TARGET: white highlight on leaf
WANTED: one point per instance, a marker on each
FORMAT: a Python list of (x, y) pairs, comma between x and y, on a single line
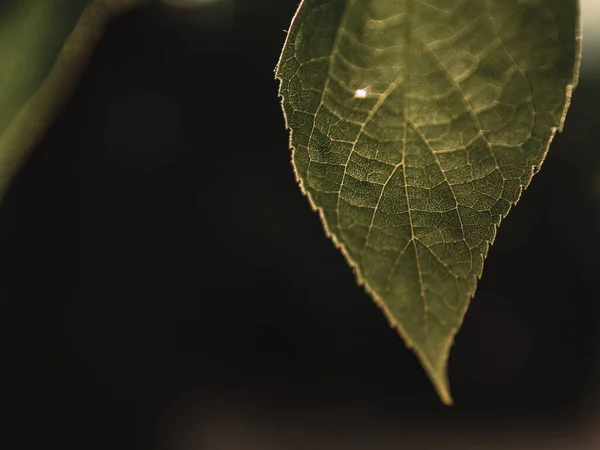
[(360, 93)]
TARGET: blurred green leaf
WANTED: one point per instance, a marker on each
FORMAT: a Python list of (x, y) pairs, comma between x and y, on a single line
[(44, 44), (415, 126)]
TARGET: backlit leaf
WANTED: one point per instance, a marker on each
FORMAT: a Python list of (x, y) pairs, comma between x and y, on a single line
[(415, 126)]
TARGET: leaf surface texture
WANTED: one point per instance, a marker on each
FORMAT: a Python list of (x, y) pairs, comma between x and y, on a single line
[(415, 126)]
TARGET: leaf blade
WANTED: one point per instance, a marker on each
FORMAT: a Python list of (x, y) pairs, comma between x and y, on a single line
[(414, 128)]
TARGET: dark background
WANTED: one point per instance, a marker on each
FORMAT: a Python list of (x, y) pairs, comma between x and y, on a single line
[(164, 284)]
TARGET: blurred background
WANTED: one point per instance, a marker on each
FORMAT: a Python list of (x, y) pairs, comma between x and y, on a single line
[(164, 285)]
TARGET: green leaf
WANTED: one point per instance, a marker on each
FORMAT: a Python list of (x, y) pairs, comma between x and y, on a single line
[(415, 125), (44, 45)]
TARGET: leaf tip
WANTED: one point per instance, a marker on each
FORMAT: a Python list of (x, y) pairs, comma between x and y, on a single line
[(439, 379), (442, 387), (436, 367)]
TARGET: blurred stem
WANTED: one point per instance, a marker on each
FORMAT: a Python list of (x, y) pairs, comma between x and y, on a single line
[(33, 119)]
